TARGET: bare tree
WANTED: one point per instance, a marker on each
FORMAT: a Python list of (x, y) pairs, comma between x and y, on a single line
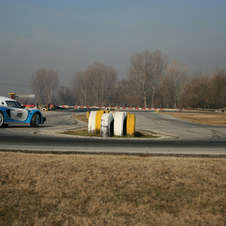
[(64, 95), (37, 85), (51, 84), (140, 73), (44, 83), (159, 66), (198, 91), (125, 95), (95, 85), (146, 71), (102, 81), (81, 84), (176, 75), (218, 87)]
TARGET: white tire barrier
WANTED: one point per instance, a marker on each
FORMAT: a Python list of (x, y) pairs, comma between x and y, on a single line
[(92, 122), (98, 120), (120, 123), (107, 125)]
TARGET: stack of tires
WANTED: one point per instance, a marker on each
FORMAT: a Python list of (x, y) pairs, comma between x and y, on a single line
[(108, 125)]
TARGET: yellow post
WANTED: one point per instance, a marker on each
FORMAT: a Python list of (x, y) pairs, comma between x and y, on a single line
[(98, 120), (130, 124)]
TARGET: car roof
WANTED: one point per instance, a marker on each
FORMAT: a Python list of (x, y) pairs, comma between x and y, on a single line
[(4, 99)]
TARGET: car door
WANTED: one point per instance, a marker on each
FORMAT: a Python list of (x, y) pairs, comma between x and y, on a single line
[(18, 114), (15, 111)]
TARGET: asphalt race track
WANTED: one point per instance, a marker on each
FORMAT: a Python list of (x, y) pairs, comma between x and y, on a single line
[(177, 137)]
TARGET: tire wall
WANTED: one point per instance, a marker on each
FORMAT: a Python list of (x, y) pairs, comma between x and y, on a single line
[(107, 125), (130, 124), (98, 120), (120, 123), (87, 114), (92, 122)]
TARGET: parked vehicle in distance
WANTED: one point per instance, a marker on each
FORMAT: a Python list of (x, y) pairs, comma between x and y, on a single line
[(13, 112)]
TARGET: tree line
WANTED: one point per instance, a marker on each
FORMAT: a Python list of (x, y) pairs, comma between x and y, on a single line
[(152, 81)]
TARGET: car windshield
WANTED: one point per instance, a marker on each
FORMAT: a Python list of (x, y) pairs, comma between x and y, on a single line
[(13, 104)]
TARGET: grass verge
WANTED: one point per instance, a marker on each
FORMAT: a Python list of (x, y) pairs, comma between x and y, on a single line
[(111, 190), (216, 119), (84, 132)]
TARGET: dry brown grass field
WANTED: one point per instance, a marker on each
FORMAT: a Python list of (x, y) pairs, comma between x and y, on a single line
[(216, 119), (111, 190)]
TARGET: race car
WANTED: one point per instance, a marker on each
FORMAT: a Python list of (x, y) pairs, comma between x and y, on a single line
[(12, 112)]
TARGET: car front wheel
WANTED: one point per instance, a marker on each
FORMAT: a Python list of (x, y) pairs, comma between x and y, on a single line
[(1, 119), (35, 121)]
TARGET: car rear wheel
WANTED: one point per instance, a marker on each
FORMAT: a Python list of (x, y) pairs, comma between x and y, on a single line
[(35, 121), (1, 119)]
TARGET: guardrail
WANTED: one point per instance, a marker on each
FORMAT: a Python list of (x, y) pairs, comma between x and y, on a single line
[(98, 107), (115, 108)]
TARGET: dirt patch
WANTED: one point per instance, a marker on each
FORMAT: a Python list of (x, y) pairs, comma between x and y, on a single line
[(111, 190), (81, 117), (216, 119)]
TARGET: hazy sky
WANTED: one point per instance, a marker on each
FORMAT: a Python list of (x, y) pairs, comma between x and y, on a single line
[(68, 36)]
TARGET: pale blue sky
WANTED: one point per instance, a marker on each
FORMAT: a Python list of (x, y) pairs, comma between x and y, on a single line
[(68, 36)]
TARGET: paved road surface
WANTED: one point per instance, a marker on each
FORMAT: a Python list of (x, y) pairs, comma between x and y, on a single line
[(178, 137), (162, 123)]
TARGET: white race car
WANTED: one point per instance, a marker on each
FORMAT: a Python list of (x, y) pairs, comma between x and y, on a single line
[(12, 112)]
